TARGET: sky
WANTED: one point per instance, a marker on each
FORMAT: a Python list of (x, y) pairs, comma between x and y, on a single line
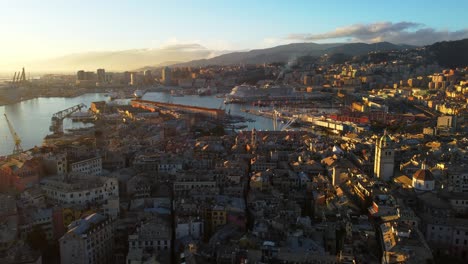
[(33, 30)]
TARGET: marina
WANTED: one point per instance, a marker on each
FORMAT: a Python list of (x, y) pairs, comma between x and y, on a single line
[(32, 118)]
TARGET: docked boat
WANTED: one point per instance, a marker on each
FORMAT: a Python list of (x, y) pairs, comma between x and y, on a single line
[(247, 93)]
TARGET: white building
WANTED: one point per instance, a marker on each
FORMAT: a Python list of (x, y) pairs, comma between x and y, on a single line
[(189, 226), (384, 162), (80, 190), (88, 240), (423, 180), (92, 166)]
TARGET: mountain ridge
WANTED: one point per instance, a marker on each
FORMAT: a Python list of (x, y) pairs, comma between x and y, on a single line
[(284, 53), (448, 53)]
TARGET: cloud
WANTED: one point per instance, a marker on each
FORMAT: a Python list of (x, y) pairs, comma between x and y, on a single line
[(401, 32), (272, 42), (184, 47)]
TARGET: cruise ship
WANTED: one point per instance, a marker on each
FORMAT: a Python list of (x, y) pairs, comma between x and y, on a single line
[(244, 93)]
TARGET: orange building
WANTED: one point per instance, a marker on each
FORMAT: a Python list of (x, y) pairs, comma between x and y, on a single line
[(19, 174)]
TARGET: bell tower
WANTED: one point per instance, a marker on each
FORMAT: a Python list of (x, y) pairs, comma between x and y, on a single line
[(384, 161)]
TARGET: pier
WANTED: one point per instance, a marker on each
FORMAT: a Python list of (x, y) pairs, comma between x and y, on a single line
[(153, 106)]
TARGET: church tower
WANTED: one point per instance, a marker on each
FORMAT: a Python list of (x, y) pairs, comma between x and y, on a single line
[(384, 161), (253, 139)]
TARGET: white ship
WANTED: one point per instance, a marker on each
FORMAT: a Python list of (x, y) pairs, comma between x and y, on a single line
[(245, 92)]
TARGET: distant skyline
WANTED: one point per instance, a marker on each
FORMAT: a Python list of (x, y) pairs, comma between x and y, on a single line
[(34, 30)]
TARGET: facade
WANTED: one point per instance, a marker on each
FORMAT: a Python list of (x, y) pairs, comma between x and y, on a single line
[(134, 78), (185, 186), (55, 164), (447, 122), (80, 75), (215, 217), (157, 163), (188, 226), (101, 75), (153, 235), (80, 190), (166, 75), (88, 240), (447, 235), (384, 162), (42, 218), (458, 178), (92, 166)]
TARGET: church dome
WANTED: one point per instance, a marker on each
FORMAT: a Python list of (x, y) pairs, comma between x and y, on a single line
[(423, 175)]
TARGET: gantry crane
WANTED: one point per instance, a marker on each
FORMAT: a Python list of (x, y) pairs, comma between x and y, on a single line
[(18, 148), (277, 114), (57, 118)]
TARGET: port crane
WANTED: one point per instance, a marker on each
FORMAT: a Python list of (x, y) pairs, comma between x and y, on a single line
[(57, 118), (284, 127), (18, 148)]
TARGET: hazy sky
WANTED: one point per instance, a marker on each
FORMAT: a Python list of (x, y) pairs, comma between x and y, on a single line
[(33, 30)]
